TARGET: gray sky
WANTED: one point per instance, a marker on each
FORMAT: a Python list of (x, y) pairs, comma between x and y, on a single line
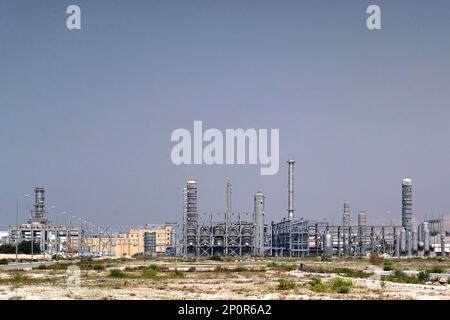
[(88, 114)]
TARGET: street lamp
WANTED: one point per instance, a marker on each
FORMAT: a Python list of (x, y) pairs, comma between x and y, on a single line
[(18, 227)]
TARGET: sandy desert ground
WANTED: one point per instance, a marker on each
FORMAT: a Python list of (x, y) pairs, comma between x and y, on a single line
[(226, 278)]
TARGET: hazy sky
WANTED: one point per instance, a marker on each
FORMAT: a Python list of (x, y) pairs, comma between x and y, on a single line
[(88, 114)]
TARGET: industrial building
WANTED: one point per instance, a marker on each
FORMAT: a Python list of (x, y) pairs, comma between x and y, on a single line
[(236, 235), (39, 229), (72, 239), (149, 240)]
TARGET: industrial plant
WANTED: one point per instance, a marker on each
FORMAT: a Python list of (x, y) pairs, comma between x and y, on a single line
[(232, 233), (236, 234)]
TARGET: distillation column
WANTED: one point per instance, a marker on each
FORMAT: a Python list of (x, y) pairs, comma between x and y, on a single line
[(191, 218), (362, 223), (259, 224), (291, 188)]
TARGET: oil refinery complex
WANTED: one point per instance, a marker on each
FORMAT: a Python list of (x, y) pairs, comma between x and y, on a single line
[(238, 234)]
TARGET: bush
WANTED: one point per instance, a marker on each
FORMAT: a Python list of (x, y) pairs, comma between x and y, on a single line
[(352, 273), (317, 285), (343, 289), (116, 273), (341, 285), (387, 265), (99, 267), (42, 267), (423, 276), (3, 261), (436, 269), (191, 269), (178, 273), (289, 267), (401, 277), (272, 265), (149, 273), (286, 284), (154, 267)]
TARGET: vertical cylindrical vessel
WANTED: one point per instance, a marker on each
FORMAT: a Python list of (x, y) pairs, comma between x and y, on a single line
[(397, 243), (403, 241), (291, 188), (346, 215), (39, 203), (327, 244), (409, 243), (443, 245), (415, 242), (259, 224), (191, 216), (362, 222), (407, 204), (426, 238)]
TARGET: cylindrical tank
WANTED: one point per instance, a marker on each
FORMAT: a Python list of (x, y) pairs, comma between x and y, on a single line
[(426, 238), (327, 244), (397, 244), (414, 242), (409, 243), (362, 231), (403, 241), (259, 223)]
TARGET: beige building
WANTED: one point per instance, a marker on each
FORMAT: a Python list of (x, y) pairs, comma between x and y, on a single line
[(131, 243)]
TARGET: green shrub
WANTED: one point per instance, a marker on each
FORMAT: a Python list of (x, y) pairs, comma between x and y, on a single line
[(352, 273), (288, 267), (343, 289), (436, 269), (42, 267), (286, 284), (341, 285), (18, 278), (191, 269), (178, 274), (116, 273), (149, 273), (99, 267), (401, 277), (317, 285), (3, 261), (423, 276), (387, 265), (154, 267), (272, 264)]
